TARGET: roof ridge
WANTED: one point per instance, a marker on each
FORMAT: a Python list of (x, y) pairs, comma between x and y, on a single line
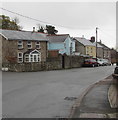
[(58, 35), (23, 31)]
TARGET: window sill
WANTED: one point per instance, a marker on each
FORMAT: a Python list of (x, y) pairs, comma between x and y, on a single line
[(20, 48)]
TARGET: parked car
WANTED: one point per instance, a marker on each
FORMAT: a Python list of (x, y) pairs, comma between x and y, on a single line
[(106, 62), (90, 63), (100, 61)]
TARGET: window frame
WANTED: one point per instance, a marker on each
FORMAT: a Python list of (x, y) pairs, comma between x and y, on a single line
[(26, 58), (20, 57), (32, 57), (38, 45), (20, 44), (29, 44)]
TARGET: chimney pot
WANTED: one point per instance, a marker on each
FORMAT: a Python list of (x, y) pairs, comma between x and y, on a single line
[(33, 29)]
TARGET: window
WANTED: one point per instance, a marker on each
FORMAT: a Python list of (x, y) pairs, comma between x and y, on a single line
[(29, 44), (20, 57), (31, 58), (34, 58), (20, 44), (26, 57), (37, 45)]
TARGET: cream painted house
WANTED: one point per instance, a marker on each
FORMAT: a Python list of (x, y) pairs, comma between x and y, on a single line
[(85, 47)]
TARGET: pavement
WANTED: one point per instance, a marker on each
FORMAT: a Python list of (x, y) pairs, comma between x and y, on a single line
[(94, 102)]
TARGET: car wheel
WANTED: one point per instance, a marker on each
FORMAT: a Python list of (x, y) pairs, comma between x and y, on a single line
[(93, 65)]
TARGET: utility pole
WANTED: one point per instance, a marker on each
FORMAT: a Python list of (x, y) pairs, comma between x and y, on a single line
[(96, 42)]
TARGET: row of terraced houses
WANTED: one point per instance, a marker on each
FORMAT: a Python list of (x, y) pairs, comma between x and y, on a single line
[(35, 47)]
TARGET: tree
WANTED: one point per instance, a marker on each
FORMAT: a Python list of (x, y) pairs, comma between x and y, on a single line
[(7, 23), (51, 30), (41, 29)]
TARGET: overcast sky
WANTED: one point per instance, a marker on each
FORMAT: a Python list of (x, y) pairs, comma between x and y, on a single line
[(77, 19)]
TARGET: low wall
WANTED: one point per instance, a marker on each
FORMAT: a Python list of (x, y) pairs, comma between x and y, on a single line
[(113, 94), (24, 67), (73, 61), (52, 63)]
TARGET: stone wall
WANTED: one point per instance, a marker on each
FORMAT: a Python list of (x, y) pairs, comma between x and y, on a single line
[(0, 52), (73, 61), (53, 63)]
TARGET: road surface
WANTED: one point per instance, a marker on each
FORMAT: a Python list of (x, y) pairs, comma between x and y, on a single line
[(46, 94)]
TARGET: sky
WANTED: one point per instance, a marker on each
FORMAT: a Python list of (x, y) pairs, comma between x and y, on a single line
[(75, 18)]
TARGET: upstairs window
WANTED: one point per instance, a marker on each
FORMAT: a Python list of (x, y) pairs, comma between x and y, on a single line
[(20, 57), (38, 45), (20, 44), (29, 44)]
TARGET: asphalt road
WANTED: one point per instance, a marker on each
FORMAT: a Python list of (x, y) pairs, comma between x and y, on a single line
[(47, 94)]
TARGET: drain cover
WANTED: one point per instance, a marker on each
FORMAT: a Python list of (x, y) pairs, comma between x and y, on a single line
[(70, 98)]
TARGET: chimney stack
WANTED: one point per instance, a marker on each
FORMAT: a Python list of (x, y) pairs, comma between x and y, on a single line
[(82, 36), (92, 39), (33, 29), (100, 41)]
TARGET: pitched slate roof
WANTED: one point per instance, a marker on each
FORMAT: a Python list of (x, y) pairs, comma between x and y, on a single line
[(87, 42), (84, 41), (98, 45), (23, 35), (57, 38), (103, 45)]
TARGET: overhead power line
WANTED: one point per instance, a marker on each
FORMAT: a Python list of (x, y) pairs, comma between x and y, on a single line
[(39, 20)]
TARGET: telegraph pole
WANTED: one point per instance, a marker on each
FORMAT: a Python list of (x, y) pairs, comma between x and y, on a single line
[(96, 42)]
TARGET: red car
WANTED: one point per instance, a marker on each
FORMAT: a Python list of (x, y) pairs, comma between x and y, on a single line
[(90, 63)]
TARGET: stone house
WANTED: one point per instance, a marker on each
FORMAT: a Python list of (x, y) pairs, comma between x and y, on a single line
[(106, 51), (85, 47), (62, 43), (113, 56), (22, 46)]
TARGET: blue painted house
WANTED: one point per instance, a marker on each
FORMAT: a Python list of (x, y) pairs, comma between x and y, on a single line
[(61, 42)]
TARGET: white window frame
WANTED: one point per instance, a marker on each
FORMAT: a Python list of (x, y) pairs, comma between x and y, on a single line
[(20, 44), (33, 56), (26, 57), (20, 57), (38, 44), (31, 59), (29, 44)]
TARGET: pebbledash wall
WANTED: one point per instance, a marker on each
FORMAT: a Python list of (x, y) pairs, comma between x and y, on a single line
[(57, 63)]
